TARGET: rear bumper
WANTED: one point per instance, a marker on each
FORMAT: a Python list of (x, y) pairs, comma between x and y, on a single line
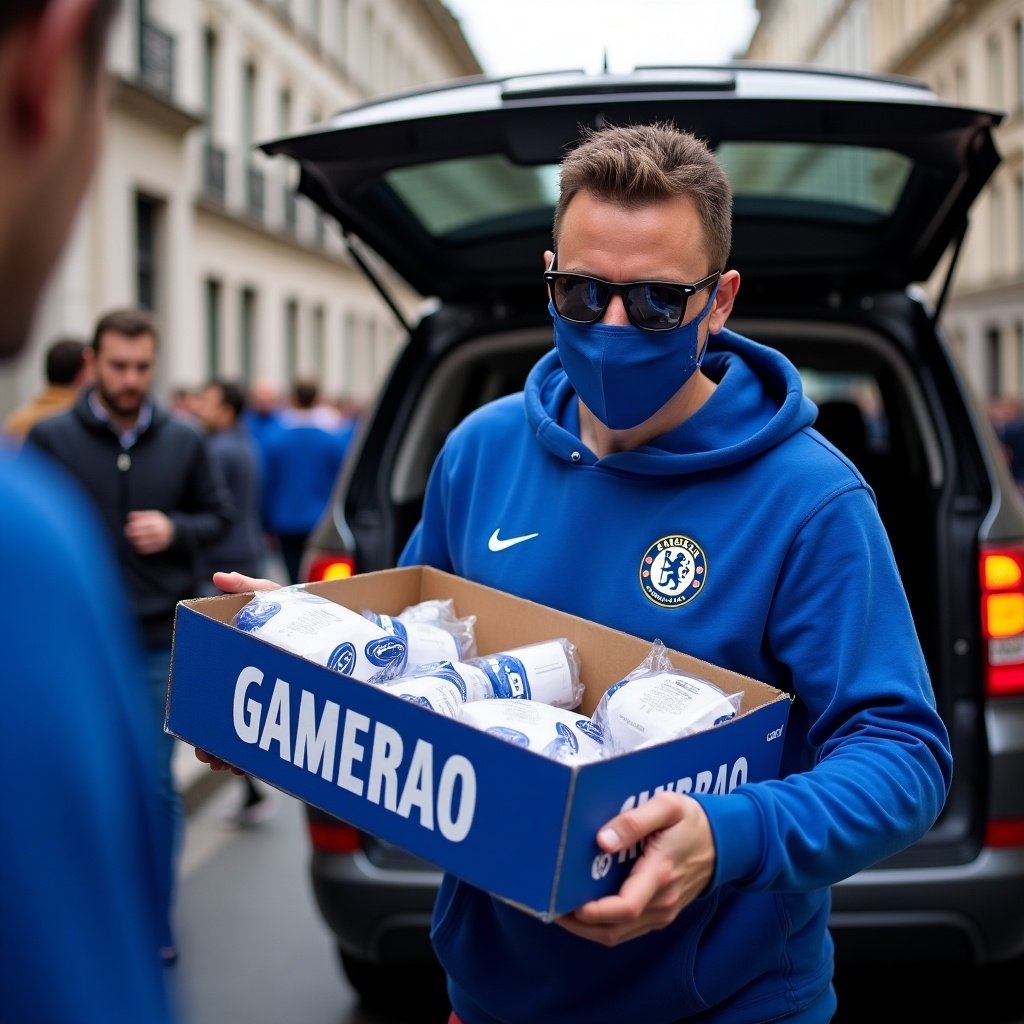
[(379, 915), (968, 913)]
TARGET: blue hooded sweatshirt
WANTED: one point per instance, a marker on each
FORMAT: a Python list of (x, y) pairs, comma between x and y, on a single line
[(788, 577)]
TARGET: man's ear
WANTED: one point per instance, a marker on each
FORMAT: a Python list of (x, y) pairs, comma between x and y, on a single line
[(46, 53), (725, 298)]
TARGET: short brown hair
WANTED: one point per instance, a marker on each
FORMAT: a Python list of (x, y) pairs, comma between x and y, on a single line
[(636, 164), (131, 322)]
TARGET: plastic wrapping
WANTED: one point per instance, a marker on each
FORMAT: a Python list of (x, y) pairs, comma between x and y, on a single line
[(554, 732), (548, 672), (443, 686), (324, 632), (656, 703), (431, 630)]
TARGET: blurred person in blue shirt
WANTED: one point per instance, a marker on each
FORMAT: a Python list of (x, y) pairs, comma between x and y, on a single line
[(302, 459), (82, 902)]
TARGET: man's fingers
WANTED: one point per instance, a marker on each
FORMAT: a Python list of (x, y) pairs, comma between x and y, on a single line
[(236, 583), (624, 830)]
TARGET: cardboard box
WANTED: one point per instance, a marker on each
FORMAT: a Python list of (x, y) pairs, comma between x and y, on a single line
[(503, 818)]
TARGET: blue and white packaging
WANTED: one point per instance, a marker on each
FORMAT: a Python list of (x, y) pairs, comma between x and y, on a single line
[(531, 724), (434, 785), (547, 672), (324, 632), (656, 703)]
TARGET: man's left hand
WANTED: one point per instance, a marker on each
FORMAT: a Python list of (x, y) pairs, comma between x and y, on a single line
[(676, 865), (149, 531)]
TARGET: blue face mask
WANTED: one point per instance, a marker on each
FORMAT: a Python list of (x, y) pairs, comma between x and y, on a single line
[(624, 375)]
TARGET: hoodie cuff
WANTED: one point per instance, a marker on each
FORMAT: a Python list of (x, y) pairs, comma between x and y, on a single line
[(737, 831)]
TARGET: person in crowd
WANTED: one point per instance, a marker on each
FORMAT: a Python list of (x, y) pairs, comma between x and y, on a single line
[(650, 412), (163, 500), (82, 907), (663, 423), (302, 459), (263, 412), (220, 409), (66, 372)]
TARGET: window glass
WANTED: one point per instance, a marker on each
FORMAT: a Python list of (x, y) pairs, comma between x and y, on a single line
[(466, 198)]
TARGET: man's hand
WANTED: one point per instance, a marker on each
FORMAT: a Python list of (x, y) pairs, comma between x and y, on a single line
[(236, 583), (677, 862), (233, 583), (216, 763), (149, 531)]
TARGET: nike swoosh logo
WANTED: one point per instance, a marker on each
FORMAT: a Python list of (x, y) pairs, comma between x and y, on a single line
[(497, 544)]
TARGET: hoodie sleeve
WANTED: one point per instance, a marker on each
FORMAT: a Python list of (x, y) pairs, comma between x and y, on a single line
[(882, 766)]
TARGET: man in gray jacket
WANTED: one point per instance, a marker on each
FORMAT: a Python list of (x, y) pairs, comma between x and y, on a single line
[(160, 493)]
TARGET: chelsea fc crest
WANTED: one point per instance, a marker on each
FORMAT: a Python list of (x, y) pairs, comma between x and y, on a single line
[(673, 571)]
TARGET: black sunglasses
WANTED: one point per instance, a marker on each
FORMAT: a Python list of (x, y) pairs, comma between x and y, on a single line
[(650, 305)]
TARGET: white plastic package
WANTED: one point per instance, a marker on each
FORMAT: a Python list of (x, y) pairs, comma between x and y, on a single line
[(555, 732), (431, 630), (324, 632), (548, 672), (658, 702), (443, 686)]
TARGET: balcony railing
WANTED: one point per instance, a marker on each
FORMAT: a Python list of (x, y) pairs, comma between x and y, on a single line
[(215, 161), (254, 188), (156, 57)]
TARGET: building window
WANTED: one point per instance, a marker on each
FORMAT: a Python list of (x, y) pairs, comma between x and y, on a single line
[(253, 176), (960, 84), (319, 342), (284, 126), (148, 213), (994, 46), (993, 363), (997, 229), (213, 328), (1018, 60), (291, 339), (214, 157), (247, 333), (1020, 222)]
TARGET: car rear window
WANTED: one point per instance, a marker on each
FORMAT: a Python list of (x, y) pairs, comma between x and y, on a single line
[(461, 199)]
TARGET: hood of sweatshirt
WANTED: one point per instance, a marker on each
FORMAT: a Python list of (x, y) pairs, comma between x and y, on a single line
[(758, 402)]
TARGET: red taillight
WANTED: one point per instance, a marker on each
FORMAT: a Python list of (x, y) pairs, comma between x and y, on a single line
[(330, 567), (334, 837), (1004, 832), (1002, 618)]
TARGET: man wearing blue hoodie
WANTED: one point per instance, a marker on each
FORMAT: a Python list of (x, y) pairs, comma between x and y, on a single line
[(649, 421)]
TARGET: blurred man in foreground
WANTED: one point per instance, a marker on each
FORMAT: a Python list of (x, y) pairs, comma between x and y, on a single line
[(81, 905)]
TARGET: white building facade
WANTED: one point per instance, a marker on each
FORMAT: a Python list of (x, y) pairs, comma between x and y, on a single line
[(187, 217)]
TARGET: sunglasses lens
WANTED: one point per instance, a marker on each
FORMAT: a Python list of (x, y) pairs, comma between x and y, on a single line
[(582, 299), (655, 307)]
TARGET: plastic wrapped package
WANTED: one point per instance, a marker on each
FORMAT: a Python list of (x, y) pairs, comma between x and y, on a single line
[(658, 702), (443, 686), (431, 630), (548, 672), (324, 632), (554, 732)]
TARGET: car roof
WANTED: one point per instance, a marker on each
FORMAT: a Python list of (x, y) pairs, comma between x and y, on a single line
[(844, 178)]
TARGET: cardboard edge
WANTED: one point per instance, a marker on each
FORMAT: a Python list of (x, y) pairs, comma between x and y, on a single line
[(549, 914)]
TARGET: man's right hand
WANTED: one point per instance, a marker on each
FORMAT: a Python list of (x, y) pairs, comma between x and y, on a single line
[(233, 583)]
